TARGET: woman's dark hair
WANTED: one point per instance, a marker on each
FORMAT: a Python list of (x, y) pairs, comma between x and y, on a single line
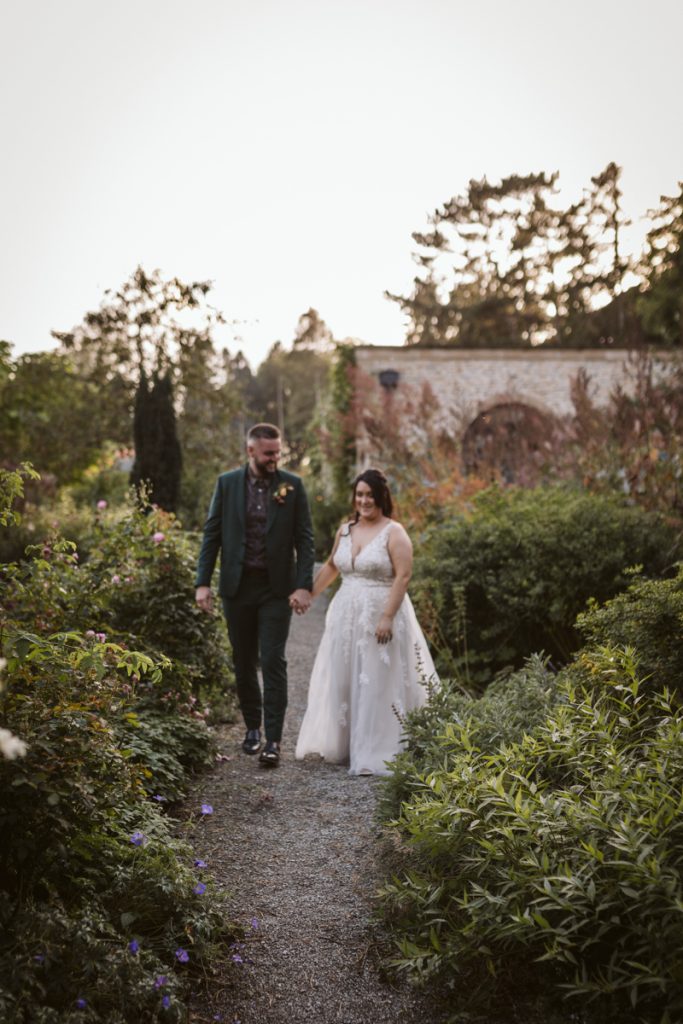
[(377, 482)]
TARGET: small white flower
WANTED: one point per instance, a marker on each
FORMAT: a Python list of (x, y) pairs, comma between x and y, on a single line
[(11, 746)]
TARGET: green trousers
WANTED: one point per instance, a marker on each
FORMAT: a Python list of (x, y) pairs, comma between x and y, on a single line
[(258, 626)]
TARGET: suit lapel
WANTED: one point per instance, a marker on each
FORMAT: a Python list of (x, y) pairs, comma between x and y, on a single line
[(272, 504), (241, 498)]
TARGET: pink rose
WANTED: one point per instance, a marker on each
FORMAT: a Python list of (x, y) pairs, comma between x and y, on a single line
[(101, 503), (158, 537)]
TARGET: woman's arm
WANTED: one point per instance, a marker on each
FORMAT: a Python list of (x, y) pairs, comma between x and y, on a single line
[(401, 554), (328, 571)]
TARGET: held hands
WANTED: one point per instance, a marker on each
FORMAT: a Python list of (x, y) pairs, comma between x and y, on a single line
[(204, 599), (384, 631), (300, 601)]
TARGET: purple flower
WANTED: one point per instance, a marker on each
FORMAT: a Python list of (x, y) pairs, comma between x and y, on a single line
[(207, 809), (254, 923), (237, 959), (139, 839), (199, 889), (182, 955), (101, 503), (101, 637), (159, 799), (166, 1002), (160, 981), (81, 1003), (39, 958), (158, 537), (219, 1016), (134, 946), (200, 864)]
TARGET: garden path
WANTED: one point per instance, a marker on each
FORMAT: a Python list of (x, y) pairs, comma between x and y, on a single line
[(293, 850)]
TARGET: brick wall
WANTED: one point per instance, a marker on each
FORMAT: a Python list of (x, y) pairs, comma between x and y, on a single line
[(466, 382)]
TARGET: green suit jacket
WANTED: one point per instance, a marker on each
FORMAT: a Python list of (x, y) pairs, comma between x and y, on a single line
[(289, 535)]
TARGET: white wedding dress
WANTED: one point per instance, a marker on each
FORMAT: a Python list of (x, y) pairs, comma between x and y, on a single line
[(359, 687)]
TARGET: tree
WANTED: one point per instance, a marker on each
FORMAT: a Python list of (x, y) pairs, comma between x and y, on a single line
[(482, 266), (290, 382), (47, 414), (150, 339), (158, 459), (504, 265), (661, 304)]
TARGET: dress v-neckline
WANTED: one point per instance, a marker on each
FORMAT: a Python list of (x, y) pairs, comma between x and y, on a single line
[(354, 558)]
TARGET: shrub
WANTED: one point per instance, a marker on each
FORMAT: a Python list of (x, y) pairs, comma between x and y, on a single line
[(510, 579), (648, 615), (135, 586), (554, 860), (510, 707), (88, 862)]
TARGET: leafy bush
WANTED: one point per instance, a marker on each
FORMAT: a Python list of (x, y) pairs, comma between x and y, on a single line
[(509, 708), (648, 615), (510, 579), (102, 915), (135, 586), (555, 859)]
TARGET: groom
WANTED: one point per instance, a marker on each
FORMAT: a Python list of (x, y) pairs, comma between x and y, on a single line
[(259, 518)]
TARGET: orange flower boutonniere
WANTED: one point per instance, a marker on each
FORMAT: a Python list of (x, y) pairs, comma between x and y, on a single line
[(281, 493)]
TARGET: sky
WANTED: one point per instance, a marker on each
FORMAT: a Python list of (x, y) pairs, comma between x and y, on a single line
[(286, 149)]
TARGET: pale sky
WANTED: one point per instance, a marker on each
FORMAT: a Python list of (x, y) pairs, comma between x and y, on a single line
[(286, 149)]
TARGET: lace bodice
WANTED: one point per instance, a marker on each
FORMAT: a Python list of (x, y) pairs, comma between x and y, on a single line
[(372, 563)]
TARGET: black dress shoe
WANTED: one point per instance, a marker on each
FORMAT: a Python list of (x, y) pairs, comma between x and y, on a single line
[(252, 741), (270, 755)]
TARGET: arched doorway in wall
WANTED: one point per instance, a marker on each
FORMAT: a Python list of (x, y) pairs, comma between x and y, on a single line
[(507, 442)]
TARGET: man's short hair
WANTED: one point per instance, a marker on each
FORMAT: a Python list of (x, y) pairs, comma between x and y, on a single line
[(263, 431)]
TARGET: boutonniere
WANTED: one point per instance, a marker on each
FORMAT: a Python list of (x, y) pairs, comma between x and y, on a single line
[(281, 493)]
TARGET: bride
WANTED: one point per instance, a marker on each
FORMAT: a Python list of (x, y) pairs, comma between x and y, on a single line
[(373, 659)]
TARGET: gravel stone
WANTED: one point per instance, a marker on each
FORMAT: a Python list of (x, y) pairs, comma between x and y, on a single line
[(293, 852)]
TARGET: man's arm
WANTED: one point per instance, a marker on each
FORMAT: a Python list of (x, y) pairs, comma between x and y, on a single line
[(303, 542), (300, 599), (209, 551)]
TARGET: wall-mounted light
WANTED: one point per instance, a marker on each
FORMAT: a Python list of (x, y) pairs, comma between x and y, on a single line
[(389, 379)]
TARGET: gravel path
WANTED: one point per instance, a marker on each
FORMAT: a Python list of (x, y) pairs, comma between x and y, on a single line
[(293, 849)]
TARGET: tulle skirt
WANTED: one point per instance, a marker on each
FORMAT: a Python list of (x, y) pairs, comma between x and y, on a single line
[(359, 689)]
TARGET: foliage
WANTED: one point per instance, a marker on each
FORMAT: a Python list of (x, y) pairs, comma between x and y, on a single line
[(76, 887), (553, 860), (158, 459), (97, 898), (136, 587), (633, 443), (288, 387), (12, 488), (502, 265), (509, 578), (156, 329), (216, 392), (51, 415), (649, 615), (509, 708), (332, 454), (662, 303)]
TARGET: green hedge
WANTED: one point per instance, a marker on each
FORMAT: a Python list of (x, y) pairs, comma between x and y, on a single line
[(538, 833), (510, 579), (104, 916)]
